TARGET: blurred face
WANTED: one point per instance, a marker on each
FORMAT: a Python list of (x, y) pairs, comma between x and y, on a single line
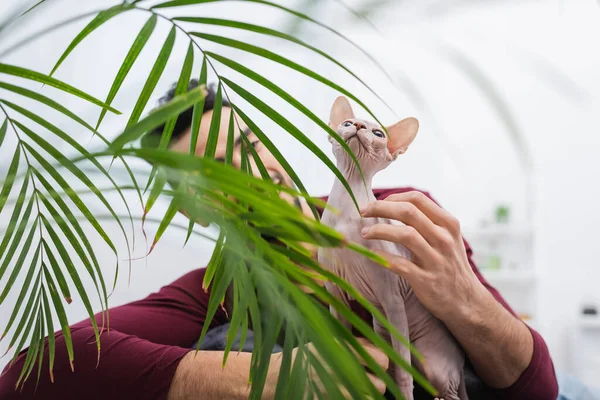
[(275, 170)]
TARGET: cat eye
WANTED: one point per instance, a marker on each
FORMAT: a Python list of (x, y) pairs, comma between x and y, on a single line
[(347, 123), (378, 133)]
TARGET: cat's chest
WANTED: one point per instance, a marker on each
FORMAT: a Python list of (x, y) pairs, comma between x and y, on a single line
[(367, 276), (351, 228)]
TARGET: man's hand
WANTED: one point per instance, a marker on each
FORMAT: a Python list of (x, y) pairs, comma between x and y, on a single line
[(439, 257), (499, 345), (201, 376)]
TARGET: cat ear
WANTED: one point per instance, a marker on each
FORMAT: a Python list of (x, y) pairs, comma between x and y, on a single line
[(401, 135), (340, 111)]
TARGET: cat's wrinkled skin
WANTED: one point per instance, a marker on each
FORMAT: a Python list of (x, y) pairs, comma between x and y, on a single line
[(386, 290)]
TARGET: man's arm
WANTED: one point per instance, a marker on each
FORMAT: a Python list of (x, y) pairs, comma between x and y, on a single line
[(503, 350), (499, 345), (201, 375)]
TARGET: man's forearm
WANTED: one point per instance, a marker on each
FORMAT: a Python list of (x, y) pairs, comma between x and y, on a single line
[(201, 376), (499, 345)]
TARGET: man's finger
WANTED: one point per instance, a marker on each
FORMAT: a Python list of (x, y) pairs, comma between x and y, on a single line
[(405, 212), (378, 383), (430, 208), (403, 267), (406, 236), (379, 356)]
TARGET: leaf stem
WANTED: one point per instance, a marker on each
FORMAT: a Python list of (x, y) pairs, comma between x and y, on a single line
[(29, 166), (190, 37)]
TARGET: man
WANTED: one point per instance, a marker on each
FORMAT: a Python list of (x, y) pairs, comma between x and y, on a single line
[(147, 355)]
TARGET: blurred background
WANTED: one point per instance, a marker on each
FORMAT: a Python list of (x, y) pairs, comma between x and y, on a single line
[(507, 94)]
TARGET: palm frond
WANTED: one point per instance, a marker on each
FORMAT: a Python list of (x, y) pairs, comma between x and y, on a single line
[(259, 276), (100, 19)]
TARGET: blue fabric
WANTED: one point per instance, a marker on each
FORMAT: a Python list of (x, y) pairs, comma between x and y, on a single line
[(571, 388), (216, 338)]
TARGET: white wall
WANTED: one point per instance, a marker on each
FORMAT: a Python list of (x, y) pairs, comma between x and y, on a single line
[(463, 154)]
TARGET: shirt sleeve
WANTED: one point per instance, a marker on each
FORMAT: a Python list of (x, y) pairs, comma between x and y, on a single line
[(139, 354), (538, 381)]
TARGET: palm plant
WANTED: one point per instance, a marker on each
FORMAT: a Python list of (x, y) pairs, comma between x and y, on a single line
[(45, 193)]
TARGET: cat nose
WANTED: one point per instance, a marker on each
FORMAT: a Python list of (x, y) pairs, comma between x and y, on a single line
[(359, 125)]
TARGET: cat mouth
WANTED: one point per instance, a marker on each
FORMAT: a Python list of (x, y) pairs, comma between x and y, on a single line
[(356, 136)]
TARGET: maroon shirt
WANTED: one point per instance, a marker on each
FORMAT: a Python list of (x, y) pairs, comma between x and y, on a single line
[(148, 338)]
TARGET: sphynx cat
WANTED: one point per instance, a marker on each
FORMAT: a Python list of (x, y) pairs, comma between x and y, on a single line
[(384, 289)]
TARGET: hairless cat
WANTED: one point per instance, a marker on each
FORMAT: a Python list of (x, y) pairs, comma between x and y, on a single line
[(389, 292)]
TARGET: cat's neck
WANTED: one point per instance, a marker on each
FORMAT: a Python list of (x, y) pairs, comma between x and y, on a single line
[(340, 199)]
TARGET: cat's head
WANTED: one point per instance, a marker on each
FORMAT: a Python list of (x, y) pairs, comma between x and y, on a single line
[(368, 141)]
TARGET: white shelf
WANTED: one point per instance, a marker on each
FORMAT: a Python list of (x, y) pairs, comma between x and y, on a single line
[(590, 322), (499, 232), (503, 277)]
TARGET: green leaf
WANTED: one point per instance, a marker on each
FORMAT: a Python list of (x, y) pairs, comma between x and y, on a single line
[(153, 78), (60, 108), (157, 189), (45, 79), (18, 234), (271, 32), (60, 312), (101, 18), (286, 364), (41, 345), (25, 323), (158, 117), (218, 290), (20, 261), (3, 130), (366, 329), (15, 216), (27, 330), (62, 135), (74, 223), (60, 277), (22, 293), (10, 175), (51, 338), (44, 100), (69, 165), (262, 52), (214, 262), (178, 3), (230, 139), (73, 196), (166, 221), (240, 310), (276, 153), (291, 100), (215, 125), (331, 30), (264, 358), (68, 263), (244, 163), (198, 111), (135, 50), (30, 9), (292, 129), (180, 88), (32, 351)]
